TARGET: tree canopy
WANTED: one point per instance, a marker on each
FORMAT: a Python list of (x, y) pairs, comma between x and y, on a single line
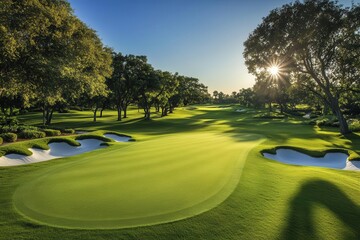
[(312, 43)]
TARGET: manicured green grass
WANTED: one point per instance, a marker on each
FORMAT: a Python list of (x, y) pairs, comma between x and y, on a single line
[(169, 178), (270, 201)]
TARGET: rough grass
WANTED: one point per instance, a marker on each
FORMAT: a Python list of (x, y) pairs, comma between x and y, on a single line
[(271, 201)]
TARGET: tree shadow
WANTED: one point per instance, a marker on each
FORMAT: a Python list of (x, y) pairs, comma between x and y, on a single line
[(301, 224)]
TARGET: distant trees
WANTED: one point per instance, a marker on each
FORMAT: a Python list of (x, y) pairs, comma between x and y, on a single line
[(314, 44), (134, 80), (50, 60)]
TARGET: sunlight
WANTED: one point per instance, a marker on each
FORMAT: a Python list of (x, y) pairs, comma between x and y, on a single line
[(273, 70)]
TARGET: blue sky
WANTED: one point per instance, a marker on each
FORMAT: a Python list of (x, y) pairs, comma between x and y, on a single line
[(197, 38)]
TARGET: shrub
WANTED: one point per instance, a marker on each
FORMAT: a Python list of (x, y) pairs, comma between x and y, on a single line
[(30, 134), (26, 127), (323, 122), (51, 132), (10, 121), (354, 125), (9, 137), (8, 128), (69, 130), (1, 140)]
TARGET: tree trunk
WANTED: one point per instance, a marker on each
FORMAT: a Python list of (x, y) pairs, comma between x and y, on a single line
[(157, 107), (95, 111), (44, 116), (325, 109), (101, 112), (281, 108), (147, 112), (125, 110), (118, 107), (171, 109), (334, 105), (49, 115)]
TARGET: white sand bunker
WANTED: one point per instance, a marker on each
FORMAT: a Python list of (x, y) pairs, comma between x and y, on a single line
[(240, 110), (81, 132), (307, 116), (117, 138), (330, 160), (57, 150)]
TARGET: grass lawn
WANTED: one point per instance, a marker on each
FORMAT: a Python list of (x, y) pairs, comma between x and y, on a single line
[(196, 174)]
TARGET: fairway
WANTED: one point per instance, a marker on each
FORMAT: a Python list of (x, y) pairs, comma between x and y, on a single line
[(161, 180)]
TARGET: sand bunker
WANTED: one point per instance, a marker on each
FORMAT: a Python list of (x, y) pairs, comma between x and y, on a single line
[(330, 160), (307, 116), (57, 150), (117, 138), (81, 132), (240, 110)]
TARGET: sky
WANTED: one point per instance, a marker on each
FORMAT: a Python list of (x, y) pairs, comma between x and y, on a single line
[(196, 38)]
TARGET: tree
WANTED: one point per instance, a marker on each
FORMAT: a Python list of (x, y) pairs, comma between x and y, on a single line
[(314, 43), (169, 84), (246, 97), (49, 52), (116, 82), (215, 94)]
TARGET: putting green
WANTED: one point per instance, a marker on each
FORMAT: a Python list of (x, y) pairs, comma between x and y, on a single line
[(155, 181)]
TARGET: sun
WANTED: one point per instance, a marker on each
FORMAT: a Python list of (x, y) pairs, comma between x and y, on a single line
[(273, 70)]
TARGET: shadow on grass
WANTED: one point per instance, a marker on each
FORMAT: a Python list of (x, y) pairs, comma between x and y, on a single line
[(314, 193), (279, 131)]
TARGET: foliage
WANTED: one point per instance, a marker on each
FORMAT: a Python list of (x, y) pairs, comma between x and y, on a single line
[(31, 134), (68, 130), (9, 137), (51, 132), (313, 44), (49, 53), (1, 140), (354, 125)]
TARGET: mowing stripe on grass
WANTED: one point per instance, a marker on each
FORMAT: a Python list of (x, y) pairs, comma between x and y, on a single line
[(156, 181)]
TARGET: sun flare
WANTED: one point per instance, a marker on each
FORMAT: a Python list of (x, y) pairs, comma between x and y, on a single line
[(273, 70)]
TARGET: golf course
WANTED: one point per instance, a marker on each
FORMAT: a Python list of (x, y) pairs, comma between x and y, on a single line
[(179, 120), (181, 175)]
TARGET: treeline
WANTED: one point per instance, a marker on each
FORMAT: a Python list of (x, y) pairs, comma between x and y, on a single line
[(51, 60)]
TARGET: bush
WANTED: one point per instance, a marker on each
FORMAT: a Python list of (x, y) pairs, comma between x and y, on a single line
[(354, 125), (8, 121), (9, 137), (30, 134), (26, 128), (51, 132), (323, 122), (69, 130), (1, 140), (8, 128)]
